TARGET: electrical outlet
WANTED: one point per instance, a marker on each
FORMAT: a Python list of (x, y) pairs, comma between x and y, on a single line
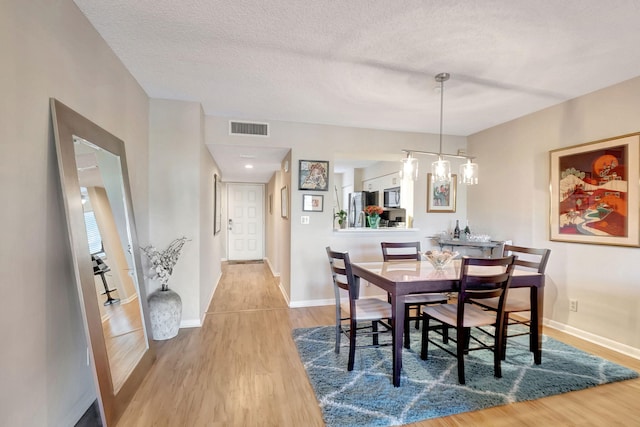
[(304, 219), (573, 305)]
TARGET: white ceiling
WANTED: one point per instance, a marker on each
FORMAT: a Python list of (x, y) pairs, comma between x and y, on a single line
[(372, 64)]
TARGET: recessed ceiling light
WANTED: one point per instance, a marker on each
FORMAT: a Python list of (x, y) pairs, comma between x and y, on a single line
[(248, 166)]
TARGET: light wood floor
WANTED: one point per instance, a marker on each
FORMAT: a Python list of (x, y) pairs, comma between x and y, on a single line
[(242, 369)]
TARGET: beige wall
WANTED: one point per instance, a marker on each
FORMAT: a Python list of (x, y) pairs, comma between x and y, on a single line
[(181, 202), (48, 49), (512, 200)]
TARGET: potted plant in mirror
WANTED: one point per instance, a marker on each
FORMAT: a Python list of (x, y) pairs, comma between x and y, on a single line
[(165, 305), (373, 215), (342, 218)]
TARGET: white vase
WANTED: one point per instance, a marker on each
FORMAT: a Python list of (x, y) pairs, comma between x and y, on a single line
[(165, 313)]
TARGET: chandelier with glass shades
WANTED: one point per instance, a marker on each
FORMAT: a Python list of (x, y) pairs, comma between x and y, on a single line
[(441, 168)]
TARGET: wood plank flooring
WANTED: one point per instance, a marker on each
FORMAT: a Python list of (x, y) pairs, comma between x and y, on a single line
[(242, 369)]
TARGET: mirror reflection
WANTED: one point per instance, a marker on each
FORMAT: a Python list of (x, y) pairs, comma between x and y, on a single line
[(109, 238)]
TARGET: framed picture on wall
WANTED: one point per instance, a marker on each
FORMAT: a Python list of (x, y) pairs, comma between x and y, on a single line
[(284, 202), (441, 196), (217, 204), (312, 203), (313, 175), (594, 192)]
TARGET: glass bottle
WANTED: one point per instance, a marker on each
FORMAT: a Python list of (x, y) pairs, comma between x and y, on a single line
[(467, 230), (456, 231)]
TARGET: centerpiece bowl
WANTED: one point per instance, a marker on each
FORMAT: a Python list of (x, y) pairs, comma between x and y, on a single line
[(439, 259)]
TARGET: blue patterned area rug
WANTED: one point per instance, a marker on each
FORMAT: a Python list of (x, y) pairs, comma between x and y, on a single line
[(430, 389)]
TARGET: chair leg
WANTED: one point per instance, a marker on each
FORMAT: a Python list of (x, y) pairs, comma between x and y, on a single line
[(417, 325), (424, 348), (352, 345), (338, 327), (407, 325), (463, 337), (498, 348), (374, 329), (445, 333), (503, 349)]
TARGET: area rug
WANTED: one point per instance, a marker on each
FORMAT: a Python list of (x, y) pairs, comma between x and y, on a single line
[(430, 389)]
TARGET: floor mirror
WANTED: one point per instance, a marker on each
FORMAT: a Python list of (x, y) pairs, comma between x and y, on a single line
[(105, 256)]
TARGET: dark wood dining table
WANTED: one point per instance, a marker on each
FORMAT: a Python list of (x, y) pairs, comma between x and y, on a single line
[(401, 278)]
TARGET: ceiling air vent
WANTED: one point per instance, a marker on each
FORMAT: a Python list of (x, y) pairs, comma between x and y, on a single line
[(248, 128)]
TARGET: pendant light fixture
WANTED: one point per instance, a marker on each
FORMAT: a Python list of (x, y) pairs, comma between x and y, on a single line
[(409, 167), (468, 173), (441, 169)]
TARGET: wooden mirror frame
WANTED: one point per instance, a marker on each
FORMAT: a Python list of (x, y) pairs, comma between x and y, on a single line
[(67, 125)]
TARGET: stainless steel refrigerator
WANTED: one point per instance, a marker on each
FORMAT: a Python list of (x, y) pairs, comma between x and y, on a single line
[(357, 203)]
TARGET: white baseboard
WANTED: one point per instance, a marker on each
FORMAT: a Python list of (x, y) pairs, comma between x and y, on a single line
[(596, 339), (190, 323), (284, 294), (312, 303), (273, 272), (204, 315)]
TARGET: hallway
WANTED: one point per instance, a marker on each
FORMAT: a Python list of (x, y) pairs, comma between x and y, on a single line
[(240, 369)]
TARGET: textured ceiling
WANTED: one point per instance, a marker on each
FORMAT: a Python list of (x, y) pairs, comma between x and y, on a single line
[(372, 64)]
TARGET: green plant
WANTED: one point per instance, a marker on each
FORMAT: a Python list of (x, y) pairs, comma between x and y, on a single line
[(341, 215)]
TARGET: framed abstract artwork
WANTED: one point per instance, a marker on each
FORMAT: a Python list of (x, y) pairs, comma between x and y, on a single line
[(594, 192), (441, 196), (313, 175)]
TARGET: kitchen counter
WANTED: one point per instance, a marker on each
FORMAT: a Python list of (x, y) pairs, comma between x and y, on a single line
[(360, 230)]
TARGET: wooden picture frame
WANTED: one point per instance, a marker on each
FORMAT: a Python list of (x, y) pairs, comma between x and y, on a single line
[(313, 175), (217, 205), (284, 202), (441, 196), (312, 203), (594, 192)]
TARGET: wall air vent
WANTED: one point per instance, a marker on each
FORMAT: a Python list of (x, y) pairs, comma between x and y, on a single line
[(248, 128)]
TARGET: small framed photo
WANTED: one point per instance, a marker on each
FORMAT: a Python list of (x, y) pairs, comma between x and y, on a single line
[(441, 196), (595, 192), (313, 175), (312, 203), (284, 202)]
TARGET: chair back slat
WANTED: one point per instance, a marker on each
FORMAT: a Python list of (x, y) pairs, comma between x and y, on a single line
[(400, 251), (490, 282), (533, 258), (341, 273)]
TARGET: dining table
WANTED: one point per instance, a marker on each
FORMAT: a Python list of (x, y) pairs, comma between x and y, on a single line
[(402, 278)]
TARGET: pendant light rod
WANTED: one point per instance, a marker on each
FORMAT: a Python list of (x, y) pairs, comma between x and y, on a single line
[(441, 78), (431, 153)]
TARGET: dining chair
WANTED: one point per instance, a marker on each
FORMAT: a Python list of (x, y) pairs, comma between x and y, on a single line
[(372, 310), (518, 300), (392, 251), (480, 278)]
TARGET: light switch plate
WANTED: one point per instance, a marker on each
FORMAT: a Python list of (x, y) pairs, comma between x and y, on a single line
[(304, 219)]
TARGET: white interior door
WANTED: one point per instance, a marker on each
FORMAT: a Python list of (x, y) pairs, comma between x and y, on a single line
[(245, 221)]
